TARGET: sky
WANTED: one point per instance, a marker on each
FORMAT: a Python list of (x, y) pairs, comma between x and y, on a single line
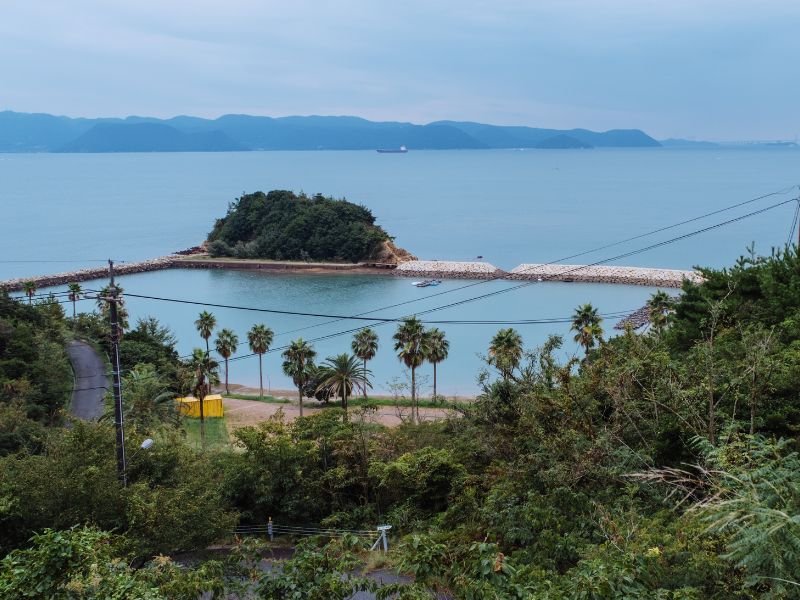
[(699, 69)]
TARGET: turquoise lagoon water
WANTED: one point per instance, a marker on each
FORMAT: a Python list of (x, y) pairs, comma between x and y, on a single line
[(65, 211)]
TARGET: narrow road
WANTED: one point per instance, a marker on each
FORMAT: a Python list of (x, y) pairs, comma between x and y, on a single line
[(91, 381)]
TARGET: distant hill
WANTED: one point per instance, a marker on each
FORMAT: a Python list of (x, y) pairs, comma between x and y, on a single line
[(148, 137), (562, 142), (24, 132), (499, 136)]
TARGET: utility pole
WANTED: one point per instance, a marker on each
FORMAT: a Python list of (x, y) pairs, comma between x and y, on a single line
[(113, 300)]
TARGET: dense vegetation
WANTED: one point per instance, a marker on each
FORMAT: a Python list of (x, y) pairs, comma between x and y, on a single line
[(657, 465), (35, 376), (282, 225)]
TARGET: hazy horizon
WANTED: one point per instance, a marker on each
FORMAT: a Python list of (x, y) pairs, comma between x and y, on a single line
[(705, 70)]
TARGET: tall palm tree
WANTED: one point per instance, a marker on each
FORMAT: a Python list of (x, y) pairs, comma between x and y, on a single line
[(438, 348), (505, 351), (205, 375), (365, 346), (205, 324), (103, 305), (410, 344), (586, 325), (29, 287), (74, 293), (226, 344), (341, 374), (298, 364), (659, 307), (260, 339)]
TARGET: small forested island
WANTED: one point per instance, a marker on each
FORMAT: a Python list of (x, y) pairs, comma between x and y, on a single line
[(282, 225)]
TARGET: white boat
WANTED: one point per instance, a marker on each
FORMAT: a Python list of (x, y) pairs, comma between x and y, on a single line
[(426, 283)]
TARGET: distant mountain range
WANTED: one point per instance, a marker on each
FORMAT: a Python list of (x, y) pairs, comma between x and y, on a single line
[(28, 132)]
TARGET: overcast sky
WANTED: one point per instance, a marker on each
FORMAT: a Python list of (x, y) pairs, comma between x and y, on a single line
[(705, 69)]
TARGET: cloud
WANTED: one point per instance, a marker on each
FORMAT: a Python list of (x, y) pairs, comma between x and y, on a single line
[(712, 68)]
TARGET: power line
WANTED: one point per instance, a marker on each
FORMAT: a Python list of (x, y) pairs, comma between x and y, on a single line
[(555, 275), (559, 260), (794, 223)]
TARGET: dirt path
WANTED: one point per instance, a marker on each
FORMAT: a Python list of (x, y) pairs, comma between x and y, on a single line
[(240, 413)]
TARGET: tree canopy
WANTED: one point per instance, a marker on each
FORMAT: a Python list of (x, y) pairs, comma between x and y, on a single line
[(282, 225)]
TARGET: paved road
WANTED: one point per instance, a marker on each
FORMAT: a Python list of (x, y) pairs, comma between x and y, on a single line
[(91, 381)]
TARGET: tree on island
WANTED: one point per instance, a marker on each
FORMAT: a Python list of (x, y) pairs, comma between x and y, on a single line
[(365, 346), (281, 225), (205, 324), (342, 374), (260, 339), (299, 365), (410, 342), (226, 344), (437, 350)]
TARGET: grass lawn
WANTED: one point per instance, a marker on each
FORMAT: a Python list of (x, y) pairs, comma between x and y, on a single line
[(216, 433)]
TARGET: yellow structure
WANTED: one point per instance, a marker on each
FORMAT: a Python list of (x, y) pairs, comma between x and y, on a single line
[(212, 406)]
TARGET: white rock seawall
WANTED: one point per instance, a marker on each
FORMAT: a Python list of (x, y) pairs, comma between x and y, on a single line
[(446, 269), (604, 274)]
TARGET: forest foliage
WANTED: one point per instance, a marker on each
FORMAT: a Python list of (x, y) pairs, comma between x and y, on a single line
[(282, 225), (659, 464)]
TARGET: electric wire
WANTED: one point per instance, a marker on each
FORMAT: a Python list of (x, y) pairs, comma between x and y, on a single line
[(558, 260), (552, 276), (793, 228)]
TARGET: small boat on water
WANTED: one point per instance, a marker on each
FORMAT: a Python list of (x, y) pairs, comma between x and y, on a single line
[(426, 283), (400, 150)]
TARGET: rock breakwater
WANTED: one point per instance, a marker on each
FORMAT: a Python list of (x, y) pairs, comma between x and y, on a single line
[(604, 274), (44, 281), (445, 269)]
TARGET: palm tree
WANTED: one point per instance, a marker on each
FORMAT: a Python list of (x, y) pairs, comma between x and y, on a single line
[(260, 339), (74, 293), (103, 305), (365, 346), (341, 374), (437, 350), (147, 402), (205, 324), (226, 344), (29, 287), (298, 364), (659, 307), (205, 375), (505, 351), (411, 349), (586, 325)]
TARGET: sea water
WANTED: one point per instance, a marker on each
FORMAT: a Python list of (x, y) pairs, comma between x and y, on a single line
[(67, 211)]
